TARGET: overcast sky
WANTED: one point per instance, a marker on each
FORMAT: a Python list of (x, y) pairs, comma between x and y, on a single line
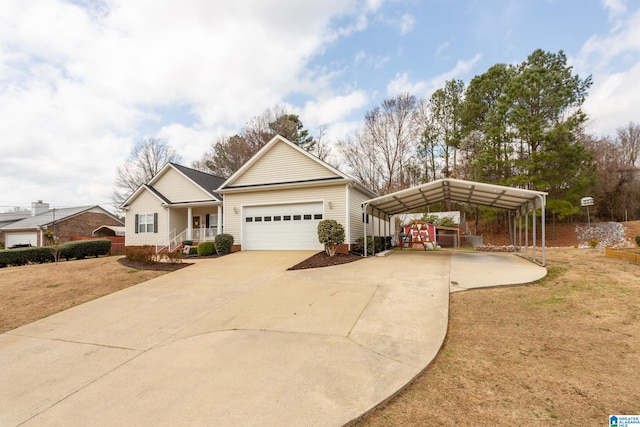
[(82, 80)]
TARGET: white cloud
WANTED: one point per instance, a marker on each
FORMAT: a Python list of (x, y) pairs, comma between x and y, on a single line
[(80, 81), (406, 24), (424, 88), (613, 60), (615, 8), (190, 143), (331, 110)]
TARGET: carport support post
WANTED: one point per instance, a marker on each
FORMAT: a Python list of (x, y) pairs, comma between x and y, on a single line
[(520, 228), (526, 230), (543, 202), (535, 235), (515, 219)]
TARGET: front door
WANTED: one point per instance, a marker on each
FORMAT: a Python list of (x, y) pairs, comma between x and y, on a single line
[(195, 224)]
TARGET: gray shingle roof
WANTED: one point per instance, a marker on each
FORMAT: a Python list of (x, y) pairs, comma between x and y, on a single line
[(46, 218), (205, 180)]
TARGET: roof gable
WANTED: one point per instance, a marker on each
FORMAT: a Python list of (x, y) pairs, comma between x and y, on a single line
[(282, 162), (206, 181), (180, 184)]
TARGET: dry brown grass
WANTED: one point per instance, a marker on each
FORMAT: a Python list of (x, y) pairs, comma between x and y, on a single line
[(564, 351), (31, 292)]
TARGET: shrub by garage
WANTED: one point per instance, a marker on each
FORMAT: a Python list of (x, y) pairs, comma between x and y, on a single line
[(206, 248), (223, 243)]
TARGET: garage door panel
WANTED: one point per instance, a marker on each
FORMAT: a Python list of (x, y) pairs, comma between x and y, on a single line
[(282, 227), (12, 239)]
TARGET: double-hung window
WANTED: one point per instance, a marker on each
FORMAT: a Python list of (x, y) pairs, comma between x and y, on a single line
[(146, 223)]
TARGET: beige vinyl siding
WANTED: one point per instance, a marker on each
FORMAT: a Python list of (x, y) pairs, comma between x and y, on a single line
[(356, 197), (328, 193), (375, 226), (145, 203), (283, 163), (177, 188)]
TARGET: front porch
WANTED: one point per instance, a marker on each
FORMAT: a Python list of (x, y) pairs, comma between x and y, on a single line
[(194, 223)]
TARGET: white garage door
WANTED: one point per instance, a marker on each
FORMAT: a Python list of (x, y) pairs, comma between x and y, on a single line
[(12, 239), (282, 227)]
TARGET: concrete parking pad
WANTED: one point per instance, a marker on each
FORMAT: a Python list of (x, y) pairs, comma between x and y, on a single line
[(239, 340), (472, 270)]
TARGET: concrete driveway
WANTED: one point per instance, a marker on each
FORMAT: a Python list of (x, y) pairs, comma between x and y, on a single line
[(237, 341)]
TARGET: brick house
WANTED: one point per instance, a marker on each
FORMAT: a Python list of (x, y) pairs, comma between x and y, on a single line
[(64, 222)]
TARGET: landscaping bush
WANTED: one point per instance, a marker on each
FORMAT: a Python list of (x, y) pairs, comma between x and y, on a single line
[(146, 253), (174, 257), (330, 234), (206, 248), (1, 246), (23, 256), (223, 243), (638, 240), (375, 244), (84, 248)]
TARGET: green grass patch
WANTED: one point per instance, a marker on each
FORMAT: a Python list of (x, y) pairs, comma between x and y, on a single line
[(132, 271), (553, 273)]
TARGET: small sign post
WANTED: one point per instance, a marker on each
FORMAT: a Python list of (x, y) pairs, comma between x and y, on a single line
[(587, 201)]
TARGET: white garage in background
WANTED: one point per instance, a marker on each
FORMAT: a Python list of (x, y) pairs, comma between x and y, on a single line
[(283, 227), (13, 239)]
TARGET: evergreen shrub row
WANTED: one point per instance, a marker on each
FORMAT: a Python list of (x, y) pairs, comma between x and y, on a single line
[(38, 255)]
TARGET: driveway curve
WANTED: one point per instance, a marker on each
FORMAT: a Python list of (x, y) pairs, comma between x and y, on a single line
[(236, 340)]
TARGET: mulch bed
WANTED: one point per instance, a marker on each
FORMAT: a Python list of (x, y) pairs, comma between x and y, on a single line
[(321, 259), (157, 266)]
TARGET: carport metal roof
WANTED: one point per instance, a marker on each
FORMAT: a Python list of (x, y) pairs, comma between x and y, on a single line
[(520, 201), (475, 193)]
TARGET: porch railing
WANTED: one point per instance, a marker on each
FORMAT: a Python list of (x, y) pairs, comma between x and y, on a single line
[(174, 240), (203, 234), (171, 242)]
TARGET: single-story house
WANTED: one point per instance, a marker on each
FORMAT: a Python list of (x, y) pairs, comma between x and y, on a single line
[(63, 222), (276, 200), (177, 204)]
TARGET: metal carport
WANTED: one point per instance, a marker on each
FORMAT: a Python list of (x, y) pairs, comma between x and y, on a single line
[(518, 201)]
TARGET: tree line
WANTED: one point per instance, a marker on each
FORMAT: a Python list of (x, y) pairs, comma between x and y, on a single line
[(520, 125)]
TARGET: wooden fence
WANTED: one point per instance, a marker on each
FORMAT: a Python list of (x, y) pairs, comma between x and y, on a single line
[(626, 254), (117, 242)]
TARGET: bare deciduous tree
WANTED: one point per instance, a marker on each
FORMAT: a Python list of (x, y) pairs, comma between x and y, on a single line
[(629, 138), (379, 155), (145, 161), (228, 154)]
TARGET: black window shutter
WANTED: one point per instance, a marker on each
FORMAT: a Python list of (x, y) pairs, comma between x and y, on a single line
[(206, 219), (155, 222), (136, 223)]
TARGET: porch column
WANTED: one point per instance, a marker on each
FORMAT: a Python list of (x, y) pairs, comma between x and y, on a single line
[(189, 223), (219, 229)]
